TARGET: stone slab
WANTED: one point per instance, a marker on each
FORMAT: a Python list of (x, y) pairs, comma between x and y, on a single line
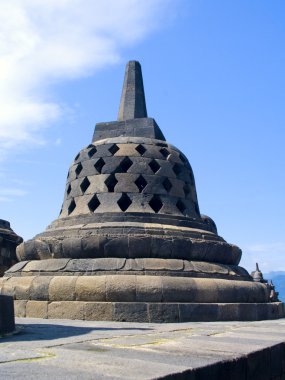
[(65, 349)]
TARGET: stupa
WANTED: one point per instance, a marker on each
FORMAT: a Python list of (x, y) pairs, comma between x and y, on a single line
[(8, 244), (130, 243)]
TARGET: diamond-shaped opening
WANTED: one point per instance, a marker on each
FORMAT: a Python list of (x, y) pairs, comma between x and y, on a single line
[(167, 184), (124, 202), (111, 182), (124, 166), (181, 206), (141, 149), (99, 165), (94, 203), (85, 184), (182, 158), (141, 183), (155, 203), (68, 190), (78, 169), (177, 169), (154, 166), (186, 189), (162, 144), (92, 151), (71, 206), (164, 152), (113, 149), (77, 156)]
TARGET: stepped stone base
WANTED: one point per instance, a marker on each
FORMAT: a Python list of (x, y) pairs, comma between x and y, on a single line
[(137, 290), (7, 320), (148, 311)]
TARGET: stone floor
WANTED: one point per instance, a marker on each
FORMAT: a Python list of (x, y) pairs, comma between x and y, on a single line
[(65, 349)]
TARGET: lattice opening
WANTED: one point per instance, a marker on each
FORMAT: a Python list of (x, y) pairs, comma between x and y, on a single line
[(124, 166), (182, 158), (77, 156), (78, 169), (154, 166), (94, 203), (177, 169), (186, 189), (167, 184), (181, 206), (67, 175), (99, 165), (140, 149), (124, 202), (85, 184), (113, 149), (141, 183), (111, 182), (92, 151), (164, 152), (155, 203), (68, 189), (71, 207)]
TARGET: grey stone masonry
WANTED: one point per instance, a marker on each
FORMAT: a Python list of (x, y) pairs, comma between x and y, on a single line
[(130, 243), (132, 105), (8, 243)]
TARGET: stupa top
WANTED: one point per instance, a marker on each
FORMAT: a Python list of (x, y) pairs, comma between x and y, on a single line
[(132, 118), (132, 105)]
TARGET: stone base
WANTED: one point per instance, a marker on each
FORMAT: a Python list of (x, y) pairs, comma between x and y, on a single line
[(7, 321), (149, 311)]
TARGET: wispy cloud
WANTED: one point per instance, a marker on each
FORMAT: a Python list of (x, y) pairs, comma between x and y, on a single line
[(43, 42), (268, 255), (9, 194)]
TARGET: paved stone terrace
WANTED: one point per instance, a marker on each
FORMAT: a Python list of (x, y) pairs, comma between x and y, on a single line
[(64, 349)]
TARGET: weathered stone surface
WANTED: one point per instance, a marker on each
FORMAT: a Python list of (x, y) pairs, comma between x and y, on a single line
[(8, 243), (130, 241)]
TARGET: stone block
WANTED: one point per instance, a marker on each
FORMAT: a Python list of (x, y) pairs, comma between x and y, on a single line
[(131, 312), (62, 288), (163, 312), (116, 247), (98, 311), (196, 312), (121, 288), (37, 309), (90, 288), (139, 246), (49, 265), (20, 308), (228, 312), (39, 289), (258, 365), (178, 289), (149, 289), (22, 286), (66, 310)]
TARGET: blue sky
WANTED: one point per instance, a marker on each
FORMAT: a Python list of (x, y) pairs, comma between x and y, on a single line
[(214, 81)]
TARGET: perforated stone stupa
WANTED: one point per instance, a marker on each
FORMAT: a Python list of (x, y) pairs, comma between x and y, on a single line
[(130, 243)]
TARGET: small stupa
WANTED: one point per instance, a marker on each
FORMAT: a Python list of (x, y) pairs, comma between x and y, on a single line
[(130, 243)]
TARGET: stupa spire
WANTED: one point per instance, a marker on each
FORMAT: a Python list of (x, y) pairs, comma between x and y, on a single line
[(132, 105)]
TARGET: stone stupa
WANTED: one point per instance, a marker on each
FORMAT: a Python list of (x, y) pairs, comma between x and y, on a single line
[(130, 243)]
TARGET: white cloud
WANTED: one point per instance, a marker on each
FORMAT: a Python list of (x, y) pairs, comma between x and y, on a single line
[(43, 42), (268, 255)]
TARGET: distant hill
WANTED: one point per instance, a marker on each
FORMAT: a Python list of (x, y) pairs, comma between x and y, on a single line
[(278, 279)]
